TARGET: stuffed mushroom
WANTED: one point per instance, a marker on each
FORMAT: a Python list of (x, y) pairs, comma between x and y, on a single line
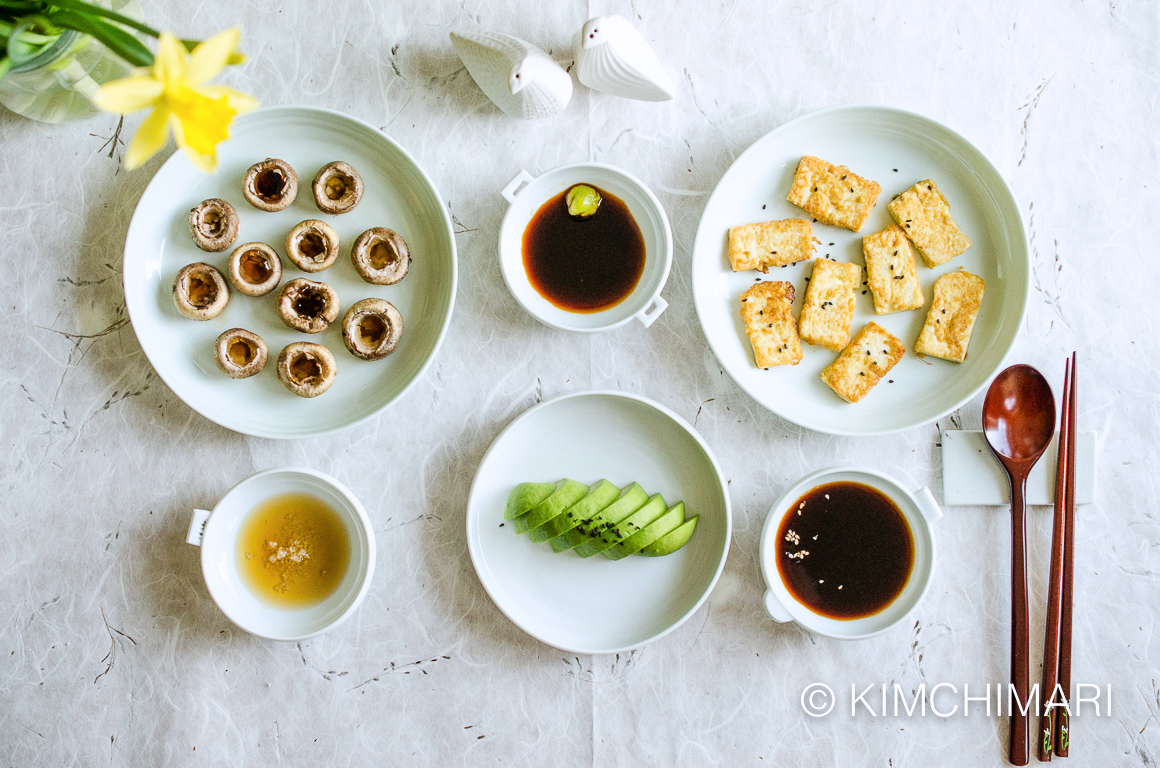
[(371, 329), (255, 269), (306, 369), (270, 185), (337, 188), (239, 353), (213, 224), (200, 292), (307, 306), (312, 245), (381, 256)]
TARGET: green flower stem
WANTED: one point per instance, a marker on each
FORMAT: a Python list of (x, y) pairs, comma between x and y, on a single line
[(95, 10), (115, 39), (5, 65)]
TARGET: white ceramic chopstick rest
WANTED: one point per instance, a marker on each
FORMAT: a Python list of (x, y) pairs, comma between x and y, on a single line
[(612, 56), (521, 79)]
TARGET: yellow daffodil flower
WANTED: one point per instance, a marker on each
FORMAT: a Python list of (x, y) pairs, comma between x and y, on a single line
[(175, 86)]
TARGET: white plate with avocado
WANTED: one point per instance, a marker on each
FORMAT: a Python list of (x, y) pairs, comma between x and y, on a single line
[(897, 149), (596, 604)]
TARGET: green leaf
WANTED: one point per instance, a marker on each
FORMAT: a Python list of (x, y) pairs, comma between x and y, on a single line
[(115, 39), (5, 65)]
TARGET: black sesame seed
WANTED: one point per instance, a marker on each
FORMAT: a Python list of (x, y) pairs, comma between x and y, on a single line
[(896, 170), (890, 381), (763, 207)]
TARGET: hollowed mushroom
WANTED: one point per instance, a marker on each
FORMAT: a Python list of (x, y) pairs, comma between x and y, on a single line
[(371, 329), (255, 269), (213, 224), (337, 187), (270, 185), (307, 306), (200, 292), (239, 353), (312, 245), (381, 256), (306, 369)]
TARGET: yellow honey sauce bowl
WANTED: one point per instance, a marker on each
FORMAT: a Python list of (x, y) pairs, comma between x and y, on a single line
[(217, 533)]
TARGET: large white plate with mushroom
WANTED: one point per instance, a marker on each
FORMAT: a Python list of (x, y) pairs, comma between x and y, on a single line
[(397, 194), (897, 149)]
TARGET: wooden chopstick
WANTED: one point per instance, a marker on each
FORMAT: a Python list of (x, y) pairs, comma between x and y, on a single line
[(1063, 720), (1055, 580)]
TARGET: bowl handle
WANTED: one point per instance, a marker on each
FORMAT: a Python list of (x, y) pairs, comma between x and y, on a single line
[(521, 180), (649, 314), (197, 527), (775, 609), (927, 505)]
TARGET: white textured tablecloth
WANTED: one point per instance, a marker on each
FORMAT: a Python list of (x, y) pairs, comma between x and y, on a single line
[(111, 651)]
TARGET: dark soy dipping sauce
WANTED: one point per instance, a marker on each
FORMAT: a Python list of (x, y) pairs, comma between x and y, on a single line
[(584, 265), (844, 550)]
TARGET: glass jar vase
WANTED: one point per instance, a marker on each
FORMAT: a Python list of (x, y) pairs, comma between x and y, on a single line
[(58, 84)]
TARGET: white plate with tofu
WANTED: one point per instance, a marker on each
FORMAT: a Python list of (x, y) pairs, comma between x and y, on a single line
[(947, 196)]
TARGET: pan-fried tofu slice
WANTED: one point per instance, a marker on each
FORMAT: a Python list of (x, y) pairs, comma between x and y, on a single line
[(870, 356), (925, 215), (957, 298), (770, 244), (833, 193), (891, 272), (765, 308), (828, 308)]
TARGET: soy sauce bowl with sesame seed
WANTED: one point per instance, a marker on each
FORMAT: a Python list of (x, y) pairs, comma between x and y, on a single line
[(848, 552)]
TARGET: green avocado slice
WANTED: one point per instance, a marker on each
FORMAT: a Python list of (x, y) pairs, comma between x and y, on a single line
[(525, 496), (567, 493), (648, 533), (672, 541), (632, 497), (605, 536), (599, 496)]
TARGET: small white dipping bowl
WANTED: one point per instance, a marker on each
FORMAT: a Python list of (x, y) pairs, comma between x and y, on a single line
[(216, 533), (920, 510), (527, 194)]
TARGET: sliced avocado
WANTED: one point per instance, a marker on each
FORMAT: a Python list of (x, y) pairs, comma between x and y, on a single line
[(525, 496), (604, 537), (672, 541), (599, 496), (632, 497), (648, 533), (567, 493)]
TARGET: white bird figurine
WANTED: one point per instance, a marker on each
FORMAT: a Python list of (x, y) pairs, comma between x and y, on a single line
[(611, 56), (521, 79)]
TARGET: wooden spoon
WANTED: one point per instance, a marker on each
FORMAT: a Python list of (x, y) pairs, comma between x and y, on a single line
[(1019, 421)]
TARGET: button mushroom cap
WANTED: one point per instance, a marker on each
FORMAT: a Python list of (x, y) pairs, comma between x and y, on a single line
[(307, 306), (337, 188), (372, 328), (270, 185), (239, 353), (213, 224), (255, 269), (200, 292), (381, 256), (306, 369), (312, 245)]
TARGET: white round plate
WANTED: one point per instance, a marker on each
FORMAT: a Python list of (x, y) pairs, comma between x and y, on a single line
[(873, 142), (398, 194), (596, 605)]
